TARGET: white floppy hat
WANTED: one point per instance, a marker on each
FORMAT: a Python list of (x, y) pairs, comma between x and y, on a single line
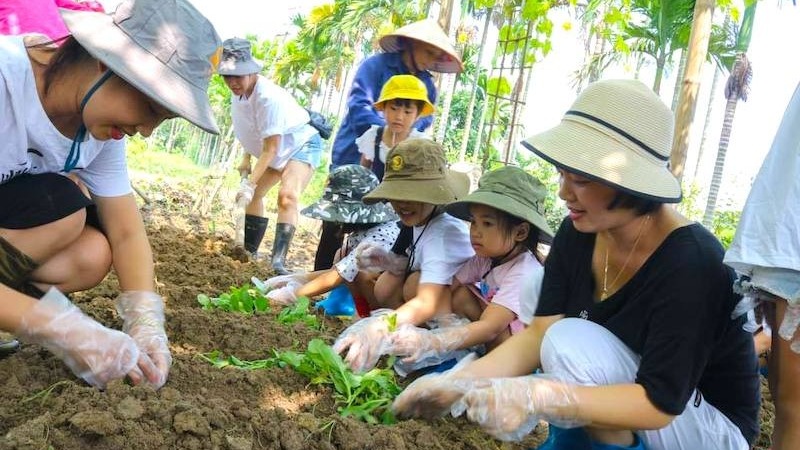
[(165, 49), (429, 32), (618, 132)]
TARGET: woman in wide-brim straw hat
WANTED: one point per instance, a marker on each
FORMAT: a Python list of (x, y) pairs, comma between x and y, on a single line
[(67, 111), (416, 274), (415, 49), (633, 328)]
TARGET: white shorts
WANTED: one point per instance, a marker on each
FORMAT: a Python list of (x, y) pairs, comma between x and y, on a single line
[(582, 352)]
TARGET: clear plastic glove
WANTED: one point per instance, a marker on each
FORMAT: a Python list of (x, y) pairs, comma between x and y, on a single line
[(280, 281), (419, 344), (373, 257), (788, 327), (285, 295), (93, 352), (510, 408), (365, 341), (436, 394), (142, 313), (246, 192)]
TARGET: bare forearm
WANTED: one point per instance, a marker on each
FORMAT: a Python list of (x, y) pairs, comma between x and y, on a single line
[(268, 151), (619, 407), (133, 262), (320, 282), (517, 356)]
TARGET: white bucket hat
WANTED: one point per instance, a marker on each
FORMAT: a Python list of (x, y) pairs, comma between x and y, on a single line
[(429, 32), (618, 132), (165, 49), (237, 58)]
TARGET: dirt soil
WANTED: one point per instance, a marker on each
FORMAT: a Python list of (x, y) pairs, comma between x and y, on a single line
[(43, 406)]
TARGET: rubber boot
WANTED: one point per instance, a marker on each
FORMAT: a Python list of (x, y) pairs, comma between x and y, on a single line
[(339, 302), (283, 237), (254, 229), (329, 242)]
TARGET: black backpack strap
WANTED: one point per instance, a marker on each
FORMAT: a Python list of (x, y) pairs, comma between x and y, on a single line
[(378, 139)]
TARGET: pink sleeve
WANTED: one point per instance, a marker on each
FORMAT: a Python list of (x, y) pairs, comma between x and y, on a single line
[(471, 271)]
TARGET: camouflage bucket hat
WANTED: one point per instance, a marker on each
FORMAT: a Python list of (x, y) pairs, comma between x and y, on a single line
[(416, 171), (341, 200), (512, 190)]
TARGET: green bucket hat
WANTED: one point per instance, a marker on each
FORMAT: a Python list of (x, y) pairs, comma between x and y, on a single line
[(512, 190), (341, 200), (416, 171)]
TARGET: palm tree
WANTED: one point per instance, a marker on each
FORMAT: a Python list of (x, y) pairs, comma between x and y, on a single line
[(737, 88)]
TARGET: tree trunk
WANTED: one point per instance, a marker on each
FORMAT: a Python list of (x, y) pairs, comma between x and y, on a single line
[(660, 62), (447, 81), (678, 79), (684, 115), (462, 153), (719, 165), (707, 122)]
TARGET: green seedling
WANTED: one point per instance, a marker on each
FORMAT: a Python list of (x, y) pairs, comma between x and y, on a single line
[(391, 322), (366, 397), (245, 299), (299, 313)]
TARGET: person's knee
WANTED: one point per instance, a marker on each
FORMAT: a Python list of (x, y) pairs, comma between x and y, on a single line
[(287, 198), (410, 286), (93, 261)]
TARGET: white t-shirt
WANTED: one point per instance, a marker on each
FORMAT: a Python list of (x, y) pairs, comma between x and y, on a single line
[(270, 110), (383, 234), (505, 285), (366, 142), (768, 234), (31, 144), (441, 248)]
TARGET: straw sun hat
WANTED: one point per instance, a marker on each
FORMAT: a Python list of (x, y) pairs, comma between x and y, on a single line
[(617, 132), (429, 32), (416, 171), (165, 49)]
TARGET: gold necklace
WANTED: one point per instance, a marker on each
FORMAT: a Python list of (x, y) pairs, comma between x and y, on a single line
[(606, 286)]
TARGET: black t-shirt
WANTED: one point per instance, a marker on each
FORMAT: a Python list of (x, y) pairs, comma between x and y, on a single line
[(675, 313)]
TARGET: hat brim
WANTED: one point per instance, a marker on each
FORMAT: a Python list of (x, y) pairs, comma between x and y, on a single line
[(585, 151), (427, 108), (107, 43), (451, 64), (435, 192), (238, 69), (504, 203), (350, 212)]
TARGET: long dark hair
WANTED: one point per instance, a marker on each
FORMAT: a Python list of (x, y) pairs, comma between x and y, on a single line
[(506, 223), (70, 53)]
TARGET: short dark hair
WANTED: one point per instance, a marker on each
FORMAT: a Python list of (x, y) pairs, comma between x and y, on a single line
[(506, 223), (641, 205), (406, 102)]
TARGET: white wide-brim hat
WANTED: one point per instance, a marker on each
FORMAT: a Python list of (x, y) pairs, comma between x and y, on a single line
[(617, 132), (429, 32), (165, 49)]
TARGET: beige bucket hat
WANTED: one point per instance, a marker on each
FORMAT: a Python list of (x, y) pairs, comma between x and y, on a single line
[(618, 132), (512, 190), (416, 171), (165, 49), (429, 32)]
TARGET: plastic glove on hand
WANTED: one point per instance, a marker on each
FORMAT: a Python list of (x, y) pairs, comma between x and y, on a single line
[(246, 192), (435, 394), (365, 341), (284, 295), (510, 408), (142, 313), (372, 257), (419, 343), (282, 280), (93, 352), (788, 326)]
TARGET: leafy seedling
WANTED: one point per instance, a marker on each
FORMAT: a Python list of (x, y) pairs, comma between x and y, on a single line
[(299, 313), (245, 299)]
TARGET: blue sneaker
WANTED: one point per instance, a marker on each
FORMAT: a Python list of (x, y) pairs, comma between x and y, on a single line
[(566, 439), (339, 302)]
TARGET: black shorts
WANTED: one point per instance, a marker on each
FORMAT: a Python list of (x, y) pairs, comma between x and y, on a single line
[(29, 201)]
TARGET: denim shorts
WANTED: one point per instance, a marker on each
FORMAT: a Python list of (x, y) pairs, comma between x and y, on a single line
[(310, 153)]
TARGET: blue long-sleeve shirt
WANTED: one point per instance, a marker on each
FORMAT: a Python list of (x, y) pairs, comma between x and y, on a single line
[(366, 88)]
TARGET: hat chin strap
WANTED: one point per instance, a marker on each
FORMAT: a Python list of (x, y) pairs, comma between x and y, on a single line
[(75, 150)]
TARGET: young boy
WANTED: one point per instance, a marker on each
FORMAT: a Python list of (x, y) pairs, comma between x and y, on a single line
[(418, 184), (403, 100)]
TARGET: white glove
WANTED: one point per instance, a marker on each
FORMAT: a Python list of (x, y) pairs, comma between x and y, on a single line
[(285, 295), (373, 257), (246, 192), (93, 352), (142, 313), (365, 341)]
